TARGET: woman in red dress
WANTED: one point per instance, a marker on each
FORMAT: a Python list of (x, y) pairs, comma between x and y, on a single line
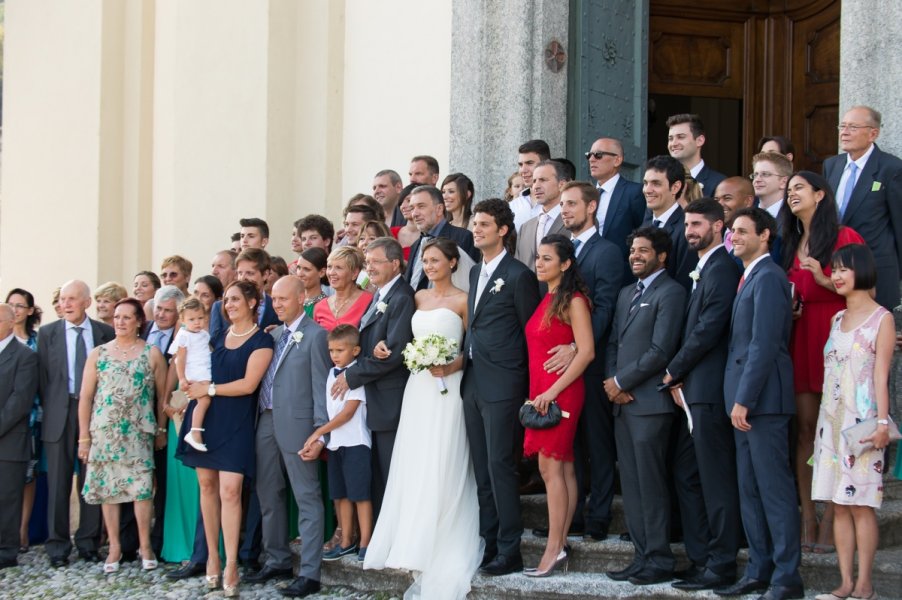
[(561, 318), (347, 305), (811, 234)]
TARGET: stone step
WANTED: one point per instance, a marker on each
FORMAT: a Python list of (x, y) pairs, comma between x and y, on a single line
[(889, 517), (586, 578)]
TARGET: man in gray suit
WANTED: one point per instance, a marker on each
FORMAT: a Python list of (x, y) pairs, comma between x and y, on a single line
[(63, 349), (644, 337), (292, 405), (547, 180), (18, 384)]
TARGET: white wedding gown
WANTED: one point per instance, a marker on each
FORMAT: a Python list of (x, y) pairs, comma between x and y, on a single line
[(429, 522)]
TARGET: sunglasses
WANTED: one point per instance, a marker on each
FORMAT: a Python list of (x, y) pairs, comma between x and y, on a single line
[(599, 155)]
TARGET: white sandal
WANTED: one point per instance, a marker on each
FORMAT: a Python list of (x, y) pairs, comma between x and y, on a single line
[(149, 564), (189, 439), (109, 568)]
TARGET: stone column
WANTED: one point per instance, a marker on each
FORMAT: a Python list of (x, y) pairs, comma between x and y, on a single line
[(870, 69), (502, 92)]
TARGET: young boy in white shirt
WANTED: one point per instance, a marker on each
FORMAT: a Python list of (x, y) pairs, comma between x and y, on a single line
[(349, 448)]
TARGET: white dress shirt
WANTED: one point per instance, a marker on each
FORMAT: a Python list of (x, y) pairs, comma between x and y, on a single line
[(605, 191), (694, 171), (524, 209), (583, 238), (87, 335), (846, 174), (665, 216), (5, 342), (703, 261), (485, 274)]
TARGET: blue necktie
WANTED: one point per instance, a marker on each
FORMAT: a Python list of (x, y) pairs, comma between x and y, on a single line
[(576, 245), (266, 386), (634, 303), (847, 192)]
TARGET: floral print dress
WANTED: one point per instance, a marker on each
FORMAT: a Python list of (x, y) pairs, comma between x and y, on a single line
[(120, 463), (848, 398)]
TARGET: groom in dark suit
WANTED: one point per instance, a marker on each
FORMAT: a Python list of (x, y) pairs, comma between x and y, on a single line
[(503, 296), (386, 321), (759, 398)]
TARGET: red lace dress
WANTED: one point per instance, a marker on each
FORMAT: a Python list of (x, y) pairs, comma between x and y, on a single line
[(556, 442)]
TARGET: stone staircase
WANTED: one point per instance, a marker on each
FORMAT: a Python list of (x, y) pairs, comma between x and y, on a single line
[(591, 559)]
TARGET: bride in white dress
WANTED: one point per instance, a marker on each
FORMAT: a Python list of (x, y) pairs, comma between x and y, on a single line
[(429, 522)]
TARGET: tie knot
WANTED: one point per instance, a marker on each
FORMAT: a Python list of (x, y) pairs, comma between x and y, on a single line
[(853, 167), (286, 333), (484, 273), (78, 329), (656, 222), (338, 371), (576, 244), (640, 286)]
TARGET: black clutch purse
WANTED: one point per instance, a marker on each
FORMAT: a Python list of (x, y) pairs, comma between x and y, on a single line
[(532, 419)]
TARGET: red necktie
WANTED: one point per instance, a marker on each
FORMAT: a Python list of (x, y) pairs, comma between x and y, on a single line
[(741, 281)]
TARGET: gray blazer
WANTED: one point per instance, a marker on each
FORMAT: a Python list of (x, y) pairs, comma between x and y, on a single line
[(53, 378), (642, 344), (18, 385), (526, 240), (299, 385)]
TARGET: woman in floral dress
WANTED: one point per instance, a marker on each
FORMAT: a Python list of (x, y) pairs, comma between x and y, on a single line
[(117, 418), (856, 387)]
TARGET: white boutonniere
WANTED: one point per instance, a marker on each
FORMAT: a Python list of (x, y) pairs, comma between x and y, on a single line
[(701, 185), (499, 283), (695, 275), (381, 307), (296, 337)]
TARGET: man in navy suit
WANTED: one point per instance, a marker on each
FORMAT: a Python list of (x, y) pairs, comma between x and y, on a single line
[(251, 265), (685, 138), (662, 186), (704, 465), (868, 187), (759, 398), (427, 211), (597, 259), (621, 205)]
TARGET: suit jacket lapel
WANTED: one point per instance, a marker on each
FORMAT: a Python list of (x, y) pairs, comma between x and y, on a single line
[(500, 273), (587, 247), (647, 294), (864, 184), (8, 351), (742, 290), (614, 204)]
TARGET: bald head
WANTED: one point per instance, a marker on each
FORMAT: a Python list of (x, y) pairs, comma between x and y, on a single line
[(6, 311), (75, 298), (288, 298), (611, 158), (734, 193), (7, 320)]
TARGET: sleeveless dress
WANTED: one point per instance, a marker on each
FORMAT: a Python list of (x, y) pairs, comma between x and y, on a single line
[(555, 442), (230, 420), (429, 522), (120, 462), (324, 317), (810, 331), (848, 398)]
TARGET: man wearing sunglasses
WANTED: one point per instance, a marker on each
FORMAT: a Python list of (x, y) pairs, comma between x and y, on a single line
[(621, 205)]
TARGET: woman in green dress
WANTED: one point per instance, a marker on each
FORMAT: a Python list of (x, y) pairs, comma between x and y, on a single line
[(117, 421)]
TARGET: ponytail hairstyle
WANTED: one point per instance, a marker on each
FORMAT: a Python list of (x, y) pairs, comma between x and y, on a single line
[(571, 280)]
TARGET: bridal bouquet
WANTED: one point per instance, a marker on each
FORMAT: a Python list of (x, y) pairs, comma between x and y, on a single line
[(433, 350)]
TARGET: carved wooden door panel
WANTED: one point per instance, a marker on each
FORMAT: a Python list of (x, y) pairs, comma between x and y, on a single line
[(608, 90)]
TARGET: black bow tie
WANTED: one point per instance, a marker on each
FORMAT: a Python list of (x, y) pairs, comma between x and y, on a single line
[(338, 371)]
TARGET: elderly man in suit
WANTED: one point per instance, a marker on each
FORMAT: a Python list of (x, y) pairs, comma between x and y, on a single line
[(427, 211), (644, 338), (18, 385), (621, 205), (292, 404), (547, 179), (868, 186), (705, 463), (759, 398), (685, 138), (63, 349), (662, 186), (503, 296), (386, 322), (597, 259)]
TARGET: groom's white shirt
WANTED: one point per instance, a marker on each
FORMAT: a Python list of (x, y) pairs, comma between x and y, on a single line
[(485, 275)]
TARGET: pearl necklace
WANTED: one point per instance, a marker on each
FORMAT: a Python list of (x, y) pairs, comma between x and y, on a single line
[(125, 351), (245, 334)]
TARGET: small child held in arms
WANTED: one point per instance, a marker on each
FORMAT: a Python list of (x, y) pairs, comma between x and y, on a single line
[(191, 347), (349, 448)]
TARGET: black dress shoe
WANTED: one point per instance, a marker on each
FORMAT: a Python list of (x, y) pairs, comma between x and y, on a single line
[(267, 573), (599, 534), (650, 576), (625, 537), (746, 585), (624, 574), (706, 580), (252, 564), (502, 565), (89, 555), (189, 569), (300, 587), (58, 561), (691, 573), (10, 562), (487, 557), (783, 592)]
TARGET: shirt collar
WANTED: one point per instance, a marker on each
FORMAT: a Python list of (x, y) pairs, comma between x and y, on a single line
[(651, 278), (667, 214), (293, 326), (774, 209), (385, 289), (154, 327), (584, 236), (609, 185), (438, 227), (554, 211), (862, 160), (489, 267), (83, 324), (704, 259), (694, 171), (751, 267)]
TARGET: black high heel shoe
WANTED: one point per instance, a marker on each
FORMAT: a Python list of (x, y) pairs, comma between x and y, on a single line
[(561, 561)]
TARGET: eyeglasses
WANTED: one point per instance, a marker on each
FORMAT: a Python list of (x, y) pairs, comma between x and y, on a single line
[(853, 128), (599, 155), (374, 261), (20, 306), (762, 175)]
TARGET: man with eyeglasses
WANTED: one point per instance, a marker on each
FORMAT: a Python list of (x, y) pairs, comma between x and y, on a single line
[(621, 205), (770, 174), (867, 183)]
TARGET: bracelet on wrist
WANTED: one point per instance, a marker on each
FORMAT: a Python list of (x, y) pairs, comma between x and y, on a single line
[(161, 431), (84, 440)]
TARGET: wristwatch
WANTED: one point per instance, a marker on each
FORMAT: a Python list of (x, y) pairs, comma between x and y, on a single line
[(211, 391), (882, 421)]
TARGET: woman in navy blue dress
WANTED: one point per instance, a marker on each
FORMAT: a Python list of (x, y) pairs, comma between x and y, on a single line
[(240, 358)]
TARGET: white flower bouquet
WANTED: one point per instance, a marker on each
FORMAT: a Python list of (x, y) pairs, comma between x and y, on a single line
[(433, 350)]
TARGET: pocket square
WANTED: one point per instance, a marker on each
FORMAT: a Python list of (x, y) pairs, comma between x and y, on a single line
[(643, 304)]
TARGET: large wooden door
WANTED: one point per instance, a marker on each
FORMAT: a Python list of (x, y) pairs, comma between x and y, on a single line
[(778, 58)]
